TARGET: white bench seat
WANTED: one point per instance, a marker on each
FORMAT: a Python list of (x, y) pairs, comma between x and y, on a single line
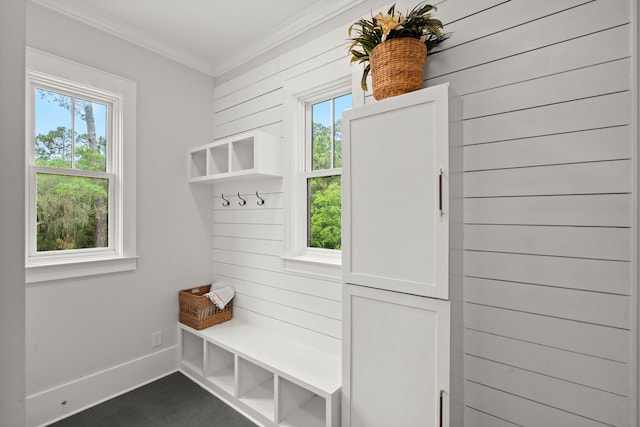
[(271, 378)]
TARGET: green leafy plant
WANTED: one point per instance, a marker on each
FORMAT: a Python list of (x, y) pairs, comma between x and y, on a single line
[(365, 34)]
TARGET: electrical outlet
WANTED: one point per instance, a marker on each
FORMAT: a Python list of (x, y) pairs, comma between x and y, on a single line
[(156, 339)]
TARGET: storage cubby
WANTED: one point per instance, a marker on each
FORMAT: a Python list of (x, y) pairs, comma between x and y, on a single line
[(299, 407), (192, 352), (242, 154), (220, 367), (248, 155), (218, 159), (198, 164), (256, 387), (274, 380)]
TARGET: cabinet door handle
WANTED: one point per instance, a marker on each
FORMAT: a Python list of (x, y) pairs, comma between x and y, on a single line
[(440, 173), (441, 405)]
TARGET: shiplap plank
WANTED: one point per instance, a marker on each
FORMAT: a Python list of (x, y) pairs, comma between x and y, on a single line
[(603, 46), (314, 55), (521, 411), (574, 147), (249, 216), (575, 273), (594, 340), (473, 417), (600, 79), (451, 11), (231, 85), (511, 14), (605, 210), (595, 404), (307, 285), (539, 33), (253, 121), (258, 246), (572, 304), (607, 375), (306, 292), (289, 297), (579, 178), (259, 261), (259, 103), (579, 242), (590, 113), (313, 339), (269, 189), (249, 231), (294, 316)]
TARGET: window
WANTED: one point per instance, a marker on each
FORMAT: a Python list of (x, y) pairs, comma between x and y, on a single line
[(77, 160), (323, 171), (313, 165), (73, 179)]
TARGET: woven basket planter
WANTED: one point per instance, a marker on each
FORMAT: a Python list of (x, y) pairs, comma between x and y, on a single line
[(397, 67)]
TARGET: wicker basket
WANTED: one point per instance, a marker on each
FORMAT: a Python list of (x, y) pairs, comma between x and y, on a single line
[(397, 67), (198, 311)]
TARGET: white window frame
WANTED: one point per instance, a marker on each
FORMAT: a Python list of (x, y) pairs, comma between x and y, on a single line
[(323, 83), (62, 76)]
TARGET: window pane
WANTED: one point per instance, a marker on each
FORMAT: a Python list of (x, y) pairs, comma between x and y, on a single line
[(321, 135), (53, 129), (340, 104), (71, 212), (324, 204), (91, 136)]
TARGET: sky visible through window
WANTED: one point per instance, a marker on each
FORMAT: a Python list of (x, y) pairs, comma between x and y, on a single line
[(50, 115), (322, 110)]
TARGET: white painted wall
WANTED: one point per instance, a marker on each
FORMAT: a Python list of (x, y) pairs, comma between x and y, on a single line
[(549, 205), (12, 299), (90, 338)]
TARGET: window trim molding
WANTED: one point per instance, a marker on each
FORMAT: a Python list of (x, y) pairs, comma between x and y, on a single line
[(43, 68), (332, 79)]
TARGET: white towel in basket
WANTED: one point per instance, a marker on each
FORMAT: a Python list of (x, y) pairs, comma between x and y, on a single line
[(220, 294)]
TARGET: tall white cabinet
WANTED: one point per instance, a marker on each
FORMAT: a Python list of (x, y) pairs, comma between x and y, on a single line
[(402, 261)]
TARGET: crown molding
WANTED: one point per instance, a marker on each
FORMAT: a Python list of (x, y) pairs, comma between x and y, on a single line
[(313, 16)]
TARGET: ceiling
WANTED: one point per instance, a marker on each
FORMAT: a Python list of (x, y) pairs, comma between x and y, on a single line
[(210, 35)]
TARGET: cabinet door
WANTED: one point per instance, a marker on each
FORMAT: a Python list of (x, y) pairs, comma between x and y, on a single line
[(394, 236), (395, 359)]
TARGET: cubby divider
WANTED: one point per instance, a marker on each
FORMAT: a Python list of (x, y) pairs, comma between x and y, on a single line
[(299, 407), (221, 367), (198, 164), (256, 387), (192, 351)]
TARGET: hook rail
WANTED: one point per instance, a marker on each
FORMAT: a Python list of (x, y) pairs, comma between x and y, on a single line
[(242, 201)]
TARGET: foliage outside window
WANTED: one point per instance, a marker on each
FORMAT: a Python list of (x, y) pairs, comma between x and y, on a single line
[(73, 180), (323, 171)]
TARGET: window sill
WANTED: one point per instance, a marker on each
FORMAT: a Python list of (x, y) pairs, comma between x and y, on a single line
[(43, 271), (318, 267)]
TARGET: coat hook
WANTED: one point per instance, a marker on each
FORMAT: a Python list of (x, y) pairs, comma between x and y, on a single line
[(261, 201), (226, 202), (242, 201)]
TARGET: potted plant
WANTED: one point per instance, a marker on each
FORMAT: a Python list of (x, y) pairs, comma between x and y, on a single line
[(393, 48)]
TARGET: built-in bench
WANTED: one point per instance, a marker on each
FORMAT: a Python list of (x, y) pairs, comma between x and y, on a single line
[(272, 379)]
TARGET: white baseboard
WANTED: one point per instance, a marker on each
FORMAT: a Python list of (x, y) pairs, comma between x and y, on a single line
[(45, 407)]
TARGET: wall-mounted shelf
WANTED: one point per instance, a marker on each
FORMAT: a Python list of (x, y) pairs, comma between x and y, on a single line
[(276, 381), (248, 155)]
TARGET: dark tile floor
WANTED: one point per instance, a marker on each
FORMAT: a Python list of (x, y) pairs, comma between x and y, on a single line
[(174, 400)]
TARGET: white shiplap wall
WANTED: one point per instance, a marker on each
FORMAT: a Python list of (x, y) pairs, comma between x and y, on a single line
[(549, 315)]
